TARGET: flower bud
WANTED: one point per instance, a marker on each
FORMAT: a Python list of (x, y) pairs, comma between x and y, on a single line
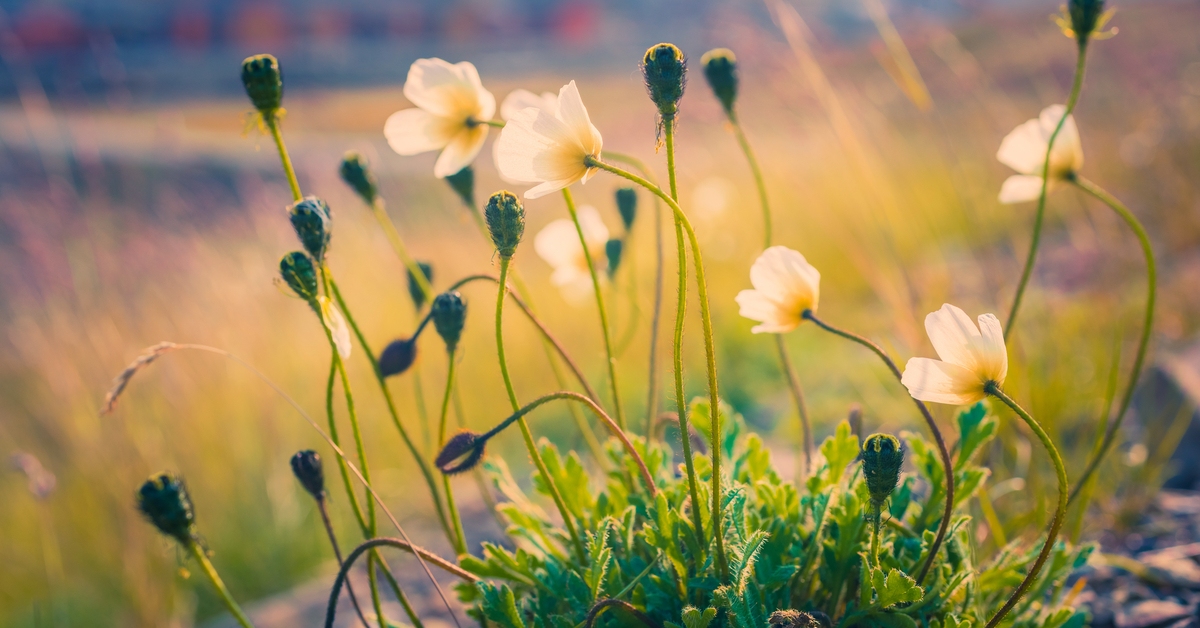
[(306, 466), (311, 219), (1086, 17), (264, 83), (463, 184), (298, 272), (414, 288), (461, 453), (720, 68), (612, 251), (449, 313), (355, 173), (164, 501), (627, 206), (398, 356), (792, 619), (505, 221), (665, 71), (882, 455)]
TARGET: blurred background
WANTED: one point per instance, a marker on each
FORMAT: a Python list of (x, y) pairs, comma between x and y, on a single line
[(137, 204)]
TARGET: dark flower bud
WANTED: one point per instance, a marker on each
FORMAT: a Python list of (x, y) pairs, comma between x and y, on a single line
[(306, 466), (665, 71), (164, 501), (264, 83), (463, 184), (398, 356), (792, 619), (1086, 17), (627, 206), (298, 272), (461, 453), (449, 313), (612, 251), (414, 287), (311, 219), (505, 221), (882, 455), (355, 172), (720, 68)]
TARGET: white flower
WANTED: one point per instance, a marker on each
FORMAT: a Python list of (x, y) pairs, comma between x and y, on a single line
[(337, 326), (451, 114), (1024, 150), (549, 147), (785, 285), (523, 99), (558, 244), (971, 358)]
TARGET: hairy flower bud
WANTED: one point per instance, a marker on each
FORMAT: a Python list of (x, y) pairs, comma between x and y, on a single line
[(792, 619), (627, 206), (306, 466), (164, 500), (463, 184), (612, 251), (1086, 18), (414, 287), (461, 453), (311, 219), (264, 83), (398, 356), (882, 455), (665, 71), (505, 221), (449, 313), (720, 68), (356, 173), (299, 274)]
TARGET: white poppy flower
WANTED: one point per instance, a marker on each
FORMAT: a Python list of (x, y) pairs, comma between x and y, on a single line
[(550, 148), (337, 326), (971, 358), (1024, 150), (451, 114), (558, 244), (523, 99), (785, 285)]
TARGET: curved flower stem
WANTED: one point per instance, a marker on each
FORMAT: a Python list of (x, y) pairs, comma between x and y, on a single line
[(555, 494), (1147, 323), (1060, 511), (608, 351), (215, 578), (323, 508), (947, 466), (759, 183), (1039, 217), (356, 507), (272, 123), (460, 540), (798, 397)]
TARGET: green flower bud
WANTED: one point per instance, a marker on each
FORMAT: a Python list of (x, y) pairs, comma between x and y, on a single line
[(463, 184), (505, 221), (1086, 17), (792, 619), (612, 251), (449, 313), (398, 356), (414, 288), (164, 501), (665, 71), (461, 453), (720, 68), (627, 206), (264, 83), (298, 272), (306, 466), (882, 455), (312, 220), (355, 172)]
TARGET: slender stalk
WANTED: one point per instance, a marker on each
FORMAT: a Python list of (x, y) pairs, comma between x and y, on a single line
[(798, 397), (400, 596), (460, 540), (376, 600), (215, 578), (759, 183), (1039, 217), (1147, 322), (1060, 510), (947, 466), (323, 508), (555, 494), (389, 230), (333, 434), (272, 123), (989, 515), (608, 350)]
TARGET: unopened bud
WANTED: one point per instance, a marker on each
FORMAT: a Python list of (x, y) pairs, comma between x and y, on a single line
[(720, 68), (414, 287), (306, 466), (164, 501), (299, 274), (612, 251), (505, 221), (264, 83), (627, 206), (792, 619), (449, 313), (312, 220), (461, 453), (1086, 17), (463, 184), (398, 356), (357, 174), (882, 455), (665, 71)]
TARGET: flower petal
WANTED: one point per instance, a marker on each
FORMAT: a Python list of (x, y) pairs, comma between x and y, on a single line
[(784, 276), (595, 232), (574, 114), (448, 90), (536, 147), (485, 101), (756, 306), (1067, 155), (940, 382), (558, 244), (413, 131), (1020, 188), (524, 99), (1024, 149), (993, 355), (953, 333), (337, 326), (461, 151)]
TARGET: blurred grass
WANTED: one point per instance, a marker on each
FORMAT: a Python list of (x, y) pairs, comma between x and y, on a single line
[(167, 224)]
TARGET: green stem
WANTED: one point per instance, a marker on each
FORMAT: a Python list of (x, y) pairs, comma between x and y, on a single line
[(213, 577), (373, 583), (333, 435), (798, 397), (396, 590), (555, 494), (460, 540), (337, 551), (1039, 217), (608, 351), (740, 134), (1147, 321), (272, 123), (393, 236), (1060, 511)]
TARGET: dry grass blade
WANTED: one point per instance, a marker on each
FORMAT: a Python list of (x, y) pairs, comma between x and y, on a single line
[(122, 380)]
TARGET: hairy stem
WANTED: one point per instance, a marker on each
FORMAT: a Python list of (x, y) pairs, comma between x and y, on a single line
[(218, 584), (460, 540), (389, 229), (759, 182), (323, 508), (272, 123)]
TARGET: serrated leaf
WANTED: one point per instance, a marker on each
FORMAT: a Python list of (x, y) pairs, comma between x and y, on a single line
[(499, 605), (894, 588), (975, 428), (839, 451), (694, 618)]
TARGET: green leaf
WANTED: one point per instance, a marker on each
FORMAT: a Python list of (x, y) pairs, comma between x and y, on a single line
[(891, 620), (693, 618), (839, 450), (894, 588), (500, 606), (599, 559), (975, 428)]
